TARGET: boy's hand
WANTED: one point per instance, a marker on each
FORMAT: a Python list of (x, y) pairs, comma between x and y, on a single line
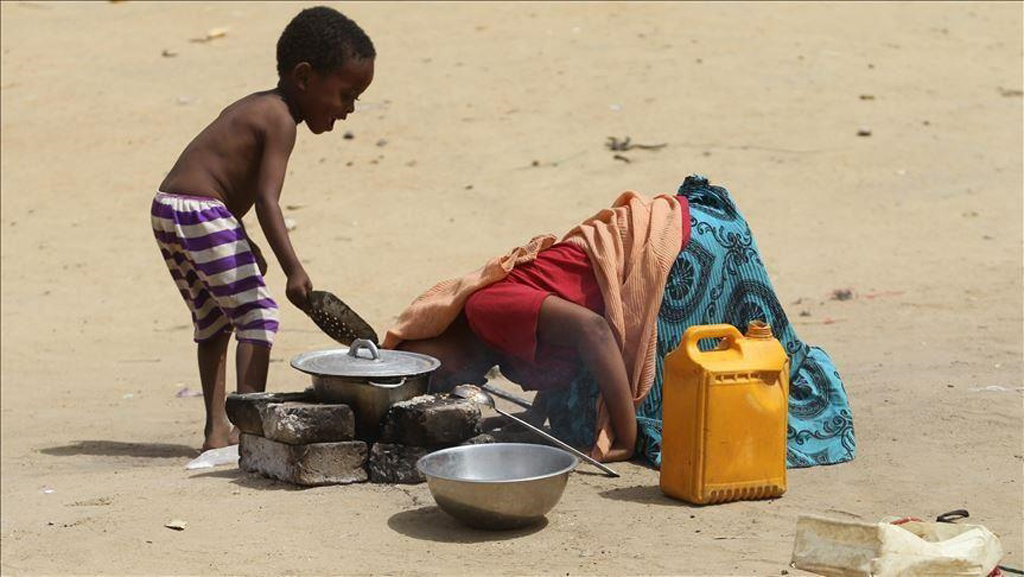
[(298, 288)]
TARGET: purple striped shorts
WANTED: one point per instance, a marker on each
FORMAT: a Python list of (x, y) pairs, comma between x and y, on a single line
[(208, 253)]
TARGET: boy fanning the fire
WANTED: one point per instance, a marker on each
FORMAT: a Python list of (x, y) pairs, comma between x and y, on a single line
[(324, 62)]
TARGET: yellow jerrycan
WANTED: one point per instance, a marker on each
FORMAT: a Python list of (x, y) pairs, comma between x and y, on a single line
[(724, 416)]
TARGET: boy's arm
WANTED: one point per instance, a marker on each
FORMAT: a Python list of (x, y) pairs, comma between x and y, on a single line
[(278, 141), (566, 324)]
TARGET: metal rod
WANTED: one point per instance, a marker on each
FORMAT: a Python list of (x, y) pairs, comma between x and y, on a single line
[(566, 446), (507, 396)]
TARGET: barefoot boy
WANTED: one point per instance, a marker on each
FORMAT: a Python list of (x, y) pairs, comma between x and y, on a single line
[(324, 62)]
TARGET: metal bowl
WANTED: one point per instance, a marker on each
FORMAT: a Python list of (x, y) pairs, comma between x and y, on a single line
[(499, 485)]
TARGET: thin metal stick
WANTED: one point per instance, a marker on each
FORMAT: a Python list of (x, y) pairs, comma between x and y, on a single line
[(507, 396), (566, 446)]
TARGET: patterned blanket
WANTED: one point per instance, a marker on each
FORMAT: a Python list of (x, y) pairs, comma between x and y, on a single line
[(719, 278)]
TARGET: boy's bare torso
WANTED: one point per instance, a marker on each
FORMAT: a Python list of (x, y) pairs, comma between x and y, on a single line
[(223, 161)]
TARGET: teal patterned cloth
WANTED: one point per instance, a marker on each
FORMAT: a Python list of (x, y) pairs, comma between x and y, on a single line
[(719, 278)]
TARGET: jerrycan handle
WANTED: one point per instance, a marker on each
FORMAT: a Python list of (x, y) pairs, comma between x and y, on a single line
[(694, 334)]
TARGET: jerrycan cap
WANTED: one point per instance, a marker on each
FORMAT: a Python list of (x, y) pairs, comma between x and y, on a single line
[(759, 330)]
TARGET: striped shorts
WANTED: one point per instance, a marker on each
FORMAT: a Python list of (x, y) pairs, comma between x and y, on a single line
[(208, 253)]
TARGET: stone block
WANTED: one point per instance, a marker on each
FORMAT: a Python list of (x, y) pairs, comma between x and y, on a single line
[(304, 423), (309, 465), (431, 421), (245, 410), (481, 439), (394, 463)]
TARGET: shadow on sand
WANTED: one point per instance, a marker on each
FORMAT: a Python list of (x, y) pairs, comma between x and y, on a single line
[(247, 480), (122, 449), (430, 523), (645, 494)]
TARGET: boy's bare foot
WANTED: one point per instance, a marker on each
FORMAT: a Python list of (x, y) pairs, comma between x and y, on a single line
[(221, 436)]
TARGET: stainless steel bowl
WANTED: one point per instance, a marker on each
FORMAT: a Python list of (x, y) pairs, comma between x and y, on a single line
[(499, 485)]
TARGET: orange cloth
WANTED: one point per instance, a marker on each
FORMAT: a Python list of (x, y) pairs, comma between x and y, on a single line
[(631, 246)]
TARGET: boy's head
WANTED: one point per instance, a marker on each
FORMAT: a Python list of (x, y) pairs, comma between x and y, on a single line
[(324, 61)]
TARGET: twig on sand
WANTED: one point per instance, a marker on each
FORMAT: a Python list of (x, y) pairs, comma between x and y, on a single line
[(627, 144), (211, 34)]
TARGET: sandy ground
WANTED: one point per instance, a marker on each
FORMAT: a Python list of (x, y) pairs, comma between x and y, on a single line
[(922, 219)]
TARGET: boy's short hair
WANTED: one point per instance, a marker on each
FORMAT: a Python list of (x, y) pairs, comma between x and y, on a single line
[(325, 38)]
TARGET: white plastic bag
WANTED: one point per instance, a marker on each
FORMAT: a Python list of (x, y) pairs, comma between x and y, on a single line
[(215, 457), (844, 548)]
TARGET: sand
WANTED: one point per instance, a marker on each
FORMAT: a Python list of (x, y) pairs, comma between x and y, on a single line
[(485, 125)]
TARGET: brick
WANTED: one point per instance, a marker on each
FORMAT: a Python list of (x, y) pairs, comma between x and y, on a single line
[(394, 463), (245, 410), (304, 423), (308, 465), (481, 439), (431, 421)]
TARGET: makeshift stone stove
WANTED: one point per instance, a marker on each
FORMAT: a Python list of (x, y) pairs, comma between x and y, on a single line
[(295, 438)]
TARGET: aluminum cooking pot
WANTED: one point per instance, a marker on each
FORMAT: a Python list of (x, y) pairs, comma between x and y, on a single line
[(367, 379)]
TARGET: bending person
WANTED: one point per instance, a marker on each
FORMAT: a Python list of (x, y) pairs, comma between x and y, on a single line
[(587, 322)]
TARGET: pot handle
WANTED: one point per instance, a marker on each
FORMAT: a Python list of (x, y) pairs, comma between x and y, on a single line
[(387, 385), (361, 344)]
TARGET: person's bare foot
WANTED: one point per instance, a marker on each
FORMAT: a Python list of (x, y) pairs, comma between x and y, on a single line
[(221, 435)]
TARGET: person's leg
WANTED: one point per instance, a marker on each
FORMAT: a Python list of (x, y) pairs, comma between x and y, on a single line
[(181, 225), (252, 361), (212, 354), (254, 317)]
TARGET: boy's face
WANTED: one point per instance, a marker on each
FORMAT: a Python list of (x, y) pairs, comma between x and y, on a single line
[(332, 96)]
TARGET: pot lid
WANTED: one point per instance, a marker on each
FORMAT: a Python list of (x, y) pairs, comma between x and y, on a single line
[(364, 360)]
